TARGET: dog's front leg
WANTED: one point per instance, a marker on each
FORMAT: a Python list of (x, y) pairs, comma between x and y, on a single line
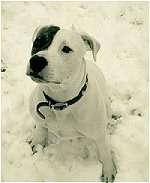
[(39, 136), (105, 157)]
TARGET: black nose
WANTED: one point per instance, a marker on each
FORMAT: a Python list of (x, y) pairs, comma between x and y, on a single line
[(37, 63)]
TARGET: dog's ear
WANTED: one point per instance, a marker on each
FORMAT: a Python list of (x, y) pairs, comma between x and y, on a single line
[(91, 44), (35, 32)]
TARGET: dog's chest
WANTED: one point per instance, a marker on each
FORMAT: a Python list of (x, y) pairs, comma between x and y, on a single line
[(61, 123)]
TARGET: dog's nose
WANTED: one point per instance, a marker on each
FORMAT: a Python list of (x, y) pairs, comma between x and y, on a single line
[(37, 63)]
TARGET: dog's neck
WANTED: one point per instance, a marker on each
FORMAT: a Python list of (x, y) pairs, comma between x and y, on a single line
[(67, 91)]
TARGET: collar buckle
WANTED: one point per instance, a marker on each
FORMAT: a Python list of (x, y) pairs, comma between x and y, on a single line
[(59, 106)]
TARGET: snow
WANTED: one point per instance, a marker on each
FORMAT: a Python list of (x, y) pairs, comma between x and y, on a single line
[(122, 30)]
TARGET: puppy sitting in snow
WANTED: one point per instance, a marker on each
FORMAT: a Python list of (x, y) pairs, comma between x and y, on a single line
[(70, 99)]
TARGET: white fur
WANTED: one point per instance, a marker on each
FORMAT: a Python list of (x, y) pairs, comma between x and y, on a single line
[(89, 116)]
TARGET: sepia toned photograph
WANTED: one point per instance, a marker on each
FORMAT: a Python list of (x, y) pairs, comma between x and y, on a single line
[(74, 90)]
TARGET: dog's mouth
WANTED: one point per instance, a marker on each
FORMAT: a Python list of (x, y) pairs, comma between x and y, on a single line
[(35, 75), (37, 78)]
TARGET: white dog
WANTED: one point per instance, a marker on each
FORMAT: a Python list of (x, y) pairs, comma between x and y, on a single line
[(70, 99)]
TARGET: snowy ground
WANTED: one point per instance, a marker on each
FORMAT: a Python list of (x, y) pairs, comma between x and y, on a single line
[(121, 28)]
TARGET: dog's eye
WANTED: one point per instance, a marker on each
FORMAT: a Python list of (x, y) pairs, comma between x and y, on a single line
[(66, 49)]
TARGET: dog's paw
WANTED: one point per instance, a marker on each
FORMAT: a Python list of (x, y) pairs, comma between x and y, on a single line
[(36, 142), (109, 173), (35, 147), (34, 150), (29, 140), (107, 179)]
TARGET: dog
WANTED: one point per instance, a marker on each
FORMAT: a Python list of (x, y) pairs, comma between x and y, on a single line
[(70, 99)]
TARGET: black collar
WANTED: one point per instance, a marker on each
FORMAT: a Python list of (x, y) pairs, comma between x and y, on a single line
[(53, 104)]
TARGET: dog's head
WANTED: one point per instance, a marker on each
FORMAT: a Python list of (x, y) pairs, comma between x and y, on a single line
[(57, 54)]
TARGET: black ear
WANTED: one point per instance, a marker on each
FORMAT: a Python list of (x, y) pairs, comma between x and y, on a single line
[(91, 44)]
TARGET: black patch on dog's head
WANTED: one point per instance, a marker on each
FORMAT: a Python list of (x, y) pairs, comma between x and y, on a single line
[(44, 38)]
